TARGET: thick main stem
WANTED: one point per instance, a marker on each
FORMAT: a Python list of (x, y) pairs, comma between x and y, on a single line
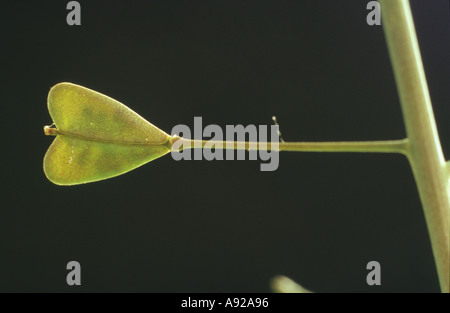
[(426, 157)]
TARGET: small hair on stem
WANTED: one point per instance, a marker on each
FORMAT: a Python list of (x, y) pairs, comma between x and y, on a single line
[(274, 119)]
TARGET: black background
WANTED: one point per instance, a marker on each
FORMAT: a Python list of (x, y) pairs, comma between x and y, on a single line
[(218, 226)]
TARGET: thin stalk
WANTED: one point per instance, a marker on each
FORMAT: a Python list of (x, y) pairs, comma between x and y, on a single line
[(386, 146), (425, 154)]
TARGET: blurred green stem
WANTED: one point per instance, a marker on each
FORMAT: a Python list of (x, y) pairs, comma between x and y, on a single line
[(425, 154), (283, 284)]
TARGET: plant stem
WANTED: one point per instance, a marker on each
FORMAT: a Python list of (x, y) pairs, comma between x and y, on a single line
[(283, 284), (386, 146), (425, 154)]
